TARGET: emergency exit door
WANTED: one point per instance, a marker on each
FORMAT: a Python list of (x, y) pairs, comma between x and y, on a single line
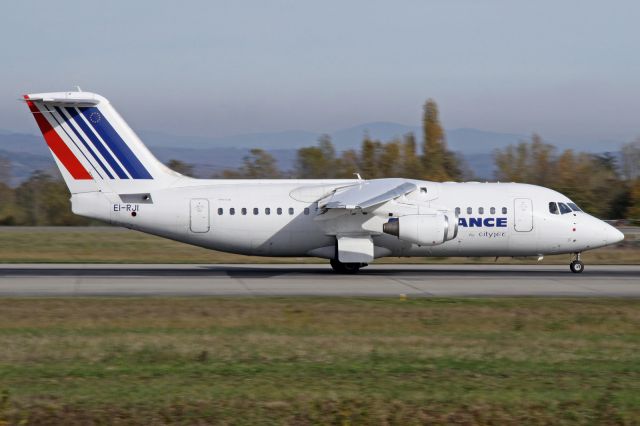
[(523, 214), (199, 215)]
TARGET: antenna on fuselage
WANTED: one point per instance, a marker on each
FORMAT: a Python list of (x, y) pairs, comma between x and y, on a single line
[(358, 176)]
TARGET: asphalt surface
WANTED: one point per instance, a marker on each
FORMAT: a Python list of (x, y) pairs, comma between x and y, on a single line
[(318, 280)]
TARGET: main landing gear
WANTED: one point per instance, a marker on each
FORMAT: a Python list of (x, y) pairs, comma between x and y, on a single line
[(576, 266), (346, 268)]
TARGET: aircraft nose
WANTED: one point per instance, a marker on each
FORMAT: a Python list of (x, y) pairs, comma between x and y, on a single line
[(612, 235)]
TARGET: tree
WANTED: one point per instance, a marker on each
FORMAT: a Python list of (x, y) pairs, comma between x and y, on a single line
[(317, 162), (439, 163), (347, 165), (5, 170), (411, 164), (181, 167), (259, 164), (390, 159), (369, 154), (7, 205), (7, 199), (529, 162), (634, 201), (43, 200), (630, 159), (511, 163), (541, 161), (589, 180)]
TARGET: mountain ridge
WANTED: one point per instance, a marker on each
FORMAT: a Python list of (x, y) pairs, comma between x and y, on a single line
[(209, 155)]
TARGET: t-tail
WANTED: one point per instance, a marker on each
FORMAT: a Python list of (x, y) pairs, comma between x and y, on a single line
[(100, 158), (93, 146)]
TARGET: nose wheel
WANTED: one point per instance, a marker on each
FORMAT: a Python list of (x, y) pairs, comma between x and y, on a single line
[(576, 265)]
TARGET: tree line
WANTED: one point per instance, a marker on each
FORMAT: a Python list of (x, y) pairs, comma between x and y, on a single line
[(602, 184)]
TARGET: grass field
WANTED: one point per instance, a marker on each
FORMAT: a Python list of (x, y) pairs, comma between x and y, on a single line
[(315, 360), (117, 245)]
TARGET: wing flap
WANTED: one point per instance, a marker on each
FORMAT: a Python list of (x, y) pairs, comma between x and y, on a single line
[(368, 194)]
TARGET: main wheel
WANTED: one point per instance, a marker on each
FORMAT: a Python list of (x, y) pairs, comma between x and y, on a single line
[(345, 268), (576, 266)]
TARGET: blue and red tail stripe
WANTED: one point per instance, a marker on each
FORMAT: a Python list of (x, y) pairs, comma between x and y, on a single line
[(69, 123), (101, 146), (57, 124), (75, 116), (111, 137), (57, 145)]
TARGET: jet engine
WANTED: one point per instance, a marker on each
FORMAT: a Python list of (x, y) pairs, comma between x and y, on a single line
[(423, 229)]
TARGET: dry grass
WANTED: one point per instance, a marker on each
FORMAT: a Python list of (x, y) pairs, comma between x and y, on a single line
[(320, 360), (114, 245)]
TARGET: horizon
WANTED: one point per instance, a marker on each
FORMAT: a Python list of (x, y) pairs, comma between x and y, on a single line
[(348, 142)]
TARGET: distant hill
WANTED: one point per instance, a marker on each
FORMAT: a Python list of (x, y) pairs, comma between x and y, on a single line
[(212, 155), (24, 164), (22, 142), (292, 139), (464, 139), (474, 141)]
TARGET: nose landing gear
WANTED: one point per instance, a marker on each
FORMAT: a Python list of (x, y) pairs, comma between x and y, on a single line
[(576, 265)]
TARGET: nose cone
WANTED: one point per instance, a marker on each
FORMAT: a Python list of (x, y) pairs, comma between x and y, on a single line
[(612, 235), (597, 233)]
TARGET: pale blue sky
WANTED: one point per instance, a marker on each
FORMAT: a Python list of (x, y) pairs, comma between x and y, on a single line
[(569, 70)]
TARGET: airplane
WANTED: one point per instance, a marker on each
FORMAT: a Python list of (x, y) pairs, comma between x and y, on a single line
[(113, 177)]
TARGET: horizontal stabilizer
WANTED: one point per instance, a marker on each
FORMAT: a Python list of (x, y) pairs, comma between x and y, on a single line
[(76, 102)]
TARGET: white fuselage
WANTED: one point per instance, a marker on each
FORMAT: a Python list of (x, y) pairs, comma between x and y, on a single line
[(282, 218), (112, 176)]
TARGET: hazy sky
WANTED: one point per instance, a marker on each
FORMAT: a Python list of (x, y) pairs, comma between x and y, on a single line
[(569, 70)]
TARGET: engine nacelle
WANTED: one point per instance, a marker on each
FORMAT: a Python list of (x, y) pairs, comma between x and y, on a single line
[(423, 229)]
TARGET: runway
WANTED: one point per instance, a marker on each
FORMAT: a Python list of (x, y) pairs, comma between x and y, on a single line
[(318, 280)]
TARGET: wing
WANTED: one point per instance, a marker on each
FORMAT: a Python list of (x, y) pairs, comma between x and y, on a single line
[(367, 194), (354, 231)]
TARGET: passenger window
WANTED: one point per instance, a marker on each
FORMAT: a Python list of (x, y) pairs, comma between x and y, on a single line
[(255, 211), (564, 209), (306, 210), (481, 210), (291, 211), (504, 210), (220, 212), (469, 210), (423, 190), (232, 211), (492, 210), (244, 211), (267, 210), (574, 207), (457, 211), (279, 211), (553, 208)]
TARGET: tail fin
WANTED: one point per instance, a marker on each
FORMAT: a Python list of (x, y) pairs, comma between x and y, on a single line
[(93, 146)]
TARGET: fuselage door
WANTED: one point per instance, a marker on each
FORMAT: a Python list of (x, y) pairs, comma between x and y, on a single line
[(523, 214), (199, 218)]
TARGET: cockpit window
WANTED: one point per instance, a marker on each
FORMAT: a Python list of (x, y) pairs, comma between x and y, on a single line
[(553, 208), (564, 209), (574, 207)]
